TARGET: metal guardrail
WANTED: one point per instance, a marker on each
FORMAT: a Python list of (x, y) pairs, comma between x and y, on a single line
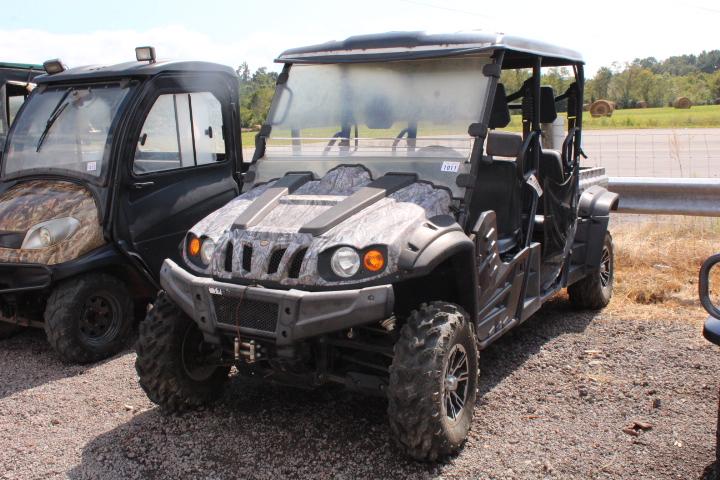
[(668, 196)]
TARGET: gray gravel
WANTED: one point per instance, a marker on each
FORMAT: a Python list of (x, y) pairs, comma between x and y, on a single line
[(556, 396)]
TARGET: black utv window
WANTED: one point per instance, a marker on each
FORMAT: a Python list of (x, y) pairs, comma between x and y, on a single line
[(182, 130)]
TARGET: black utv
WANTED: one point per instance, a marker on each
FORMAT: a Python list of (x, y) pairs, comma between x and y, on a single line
[(16, 83), (104, 170), (388, 231)]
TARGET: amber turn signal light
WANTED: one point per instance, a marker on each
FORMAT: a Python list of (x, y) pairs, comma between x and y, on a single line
[(194, 246), (374, 260)]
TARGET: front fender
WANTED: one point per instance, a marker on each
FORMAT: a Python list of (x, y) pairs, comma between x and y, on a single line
[(432, 243)]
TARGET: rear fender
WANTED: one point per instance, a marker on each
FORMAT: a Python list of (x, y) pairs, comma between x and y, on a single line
[(594, 209)]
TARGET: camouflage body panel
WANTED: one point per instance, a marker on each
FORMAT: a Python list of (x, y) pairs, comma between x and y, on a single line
[(386, 222), (29, 203)]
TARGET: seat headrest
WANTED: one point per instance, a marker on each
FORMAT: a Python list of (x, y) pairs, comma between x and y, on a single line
[(504, 144), (548, 113), (500, 114)]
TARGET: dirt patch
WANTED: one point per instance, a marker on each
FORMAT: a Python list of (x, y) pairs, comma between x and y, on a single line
[(558, 395)]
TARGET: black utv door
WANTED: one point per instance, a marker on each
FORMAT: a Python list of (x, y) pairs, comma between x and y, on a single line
[(180, 162)]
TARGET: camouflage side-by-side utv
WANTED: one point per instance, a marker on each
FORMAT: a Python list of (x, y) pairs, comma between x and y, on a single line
[(16, 83), (105, 168), (387, 231)]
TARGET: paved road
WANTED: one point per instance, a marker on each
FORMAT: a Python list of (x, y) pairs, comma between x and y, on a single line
[(655, 153), (692, 153)]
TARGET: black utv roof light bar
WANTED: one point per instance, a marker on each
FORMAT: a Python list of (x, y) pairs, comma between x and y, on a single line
[(145, 54), (54, 66)]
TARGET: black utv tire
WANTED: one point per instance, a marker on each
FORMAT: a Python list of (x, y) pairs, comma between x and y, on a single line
[(7, 330), (594, 291), (89, 318), (427, 421), (167, 340)]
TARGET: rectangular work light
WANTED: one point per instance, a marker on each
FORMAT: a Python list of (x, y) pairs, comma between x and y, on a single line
[(145, 54), (54, 66)]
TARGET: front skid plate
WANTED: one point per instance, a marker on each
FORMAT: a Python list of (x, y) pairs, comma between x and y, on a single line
[(300, 314)]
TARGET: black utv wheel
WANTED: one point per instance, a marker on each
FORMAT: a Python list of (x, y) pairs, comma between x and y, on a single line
[(89, 318), (178, 370), (594, 291), (433, 382), (7, 330)]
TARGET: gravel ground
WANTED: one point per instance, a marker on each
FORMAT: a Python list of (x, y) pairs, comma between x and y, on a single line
[(556, 395)]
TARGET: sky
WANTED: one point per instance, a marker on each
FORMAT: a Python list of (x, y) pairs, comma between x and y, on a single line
[(230, 32)]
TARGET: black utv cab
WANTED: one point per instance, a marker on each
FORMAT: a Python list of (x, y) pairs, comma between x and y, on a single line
[(389, 229), (16, 83), (105, 168)]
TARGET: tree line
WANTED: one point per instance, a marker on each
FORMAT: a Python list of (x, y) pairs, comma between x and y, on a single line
[(655, 82)]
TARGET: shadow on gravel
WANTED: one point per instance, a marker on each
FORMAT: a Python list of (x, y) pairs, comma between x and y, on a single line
[(258, 430), (557, 317), (27, 361)]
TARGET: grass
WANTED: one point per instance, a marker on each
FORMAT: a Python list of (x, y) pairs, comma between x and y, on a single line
[(657, 264), (704, 116)]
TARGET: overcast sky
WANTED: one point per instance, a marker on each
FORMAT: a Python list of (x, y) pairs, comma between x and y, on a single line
[(85, 32)]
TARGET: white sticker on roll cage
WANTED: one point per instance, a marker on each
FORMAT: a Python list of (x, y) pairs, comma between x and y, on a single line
[(535, 184), (215, 291), (452, 167)]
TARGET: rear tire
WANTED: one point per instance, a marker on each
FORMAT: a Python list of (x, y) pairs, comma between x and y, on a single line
[(433, 382), (168, 363), (89, 318), (595, 291), (7, 330)]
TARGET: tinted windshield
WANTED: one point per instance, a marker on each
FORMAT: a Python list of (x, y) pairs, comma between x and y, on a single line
[(411, 108), (64, 128)]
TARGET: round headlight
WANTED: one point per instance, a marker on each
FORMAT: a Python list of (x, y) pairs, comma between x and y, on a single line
[(46, 238), (345, 262), (206, 251)]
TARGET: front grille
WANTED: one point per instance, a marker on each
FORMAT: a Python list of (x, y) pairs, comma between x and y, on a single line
[(247, 257), (275, 260), (297, 263), (247, 313)]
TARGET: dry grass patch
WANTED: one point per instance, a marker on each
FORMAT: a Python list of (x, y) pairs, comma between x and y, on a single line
[(657, 264)]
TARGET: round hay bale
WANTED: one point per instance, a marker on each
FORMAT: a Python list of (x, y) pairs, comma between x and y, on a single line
[(601, 108), (682, 102), (717, 101), (586, 106), (641, 104), (256, 128)]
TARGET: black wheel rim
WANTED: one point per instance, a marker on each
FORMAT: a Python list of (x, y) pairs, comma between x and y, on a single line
[(455, 382), (198, 358), (100, 320), (605, 268)]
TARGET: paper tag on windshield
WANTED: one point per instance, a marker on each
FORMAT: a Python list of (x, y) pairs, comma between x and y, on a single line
[(535, 184), (91, 166), (450, 167)]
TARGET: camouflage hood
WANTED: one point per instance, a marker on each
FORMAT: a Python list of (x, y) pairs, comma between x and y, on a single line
[(262, 236), (30, 203)]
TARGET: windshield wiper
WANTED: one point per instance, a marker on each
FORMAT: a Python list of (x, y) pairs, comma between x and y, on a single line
[(57, 111)]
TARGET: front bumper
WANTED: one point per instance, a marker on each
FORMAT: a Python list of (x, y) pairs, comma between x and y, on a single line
[(286, 316), (22, 277)]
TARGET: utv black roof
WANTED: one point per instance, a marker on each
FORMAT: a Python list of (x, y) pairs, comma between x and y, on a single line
[(132, 69), (519, 52), (19, 72)]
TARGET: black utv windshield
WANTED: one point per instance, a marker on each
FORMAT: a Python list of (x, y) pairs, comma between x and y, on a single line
[(64, 128)]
